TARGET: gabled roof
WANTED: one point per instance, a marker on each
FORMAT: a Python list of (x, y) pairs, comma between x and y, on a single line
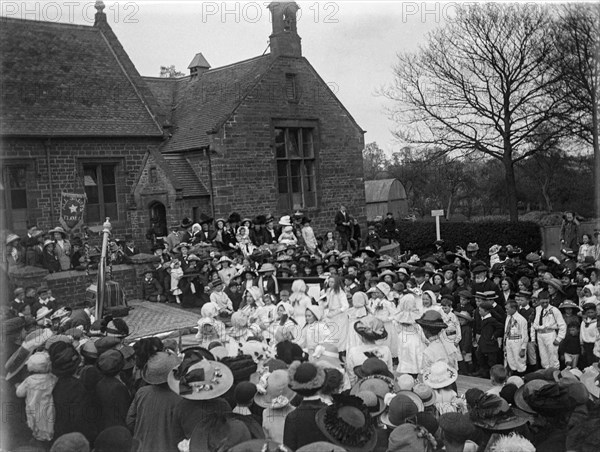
[(69, 80), (185, 176), (203, 103)]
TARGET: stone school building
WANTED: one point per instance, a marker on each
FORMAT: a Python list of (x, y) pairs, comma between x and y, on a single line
[(263, 135)]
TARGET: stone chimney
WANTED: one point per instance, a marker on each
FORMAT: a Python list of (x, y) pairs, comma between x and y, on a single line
[(284, 40), (198, 65)]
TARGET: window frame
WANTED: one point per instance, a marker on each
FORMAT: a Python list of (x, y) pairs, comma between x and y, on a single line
[(7, 190), (286, 200), (102, 211)]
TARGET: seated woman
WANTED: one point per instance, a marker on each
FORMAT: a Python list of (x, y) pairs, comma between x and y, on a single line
[(315, 332), (285, 328), (265, 316)]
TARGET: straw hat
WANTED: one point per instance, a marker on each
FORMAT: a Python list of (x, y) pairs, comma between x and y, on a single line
[(569, 304), (379, 384), (204, 380), (556, 283), (440, 375), (425, 393), (266, 267), (432, 319), (12, 238), (275, 389), (157, 369), (43, 312), (58, 229), (371, 328), (285, 221), (19, 358)]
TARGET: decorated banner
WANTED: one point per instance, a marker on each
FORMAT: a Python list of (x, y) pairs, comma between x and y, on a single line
[(72, 206)]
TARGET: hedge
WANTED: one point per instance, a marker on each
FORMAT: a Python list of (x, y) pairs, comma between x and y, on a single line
[(419, 236)]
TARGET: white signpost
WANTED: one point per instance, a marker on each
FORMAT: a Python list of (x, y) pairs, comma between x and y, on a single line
[(437, 214)]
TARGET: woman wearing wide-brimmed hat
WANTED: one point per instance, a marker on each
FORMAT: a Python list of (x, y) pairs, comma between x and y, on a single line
[(274, 395), (62, 247), (201, 383), (150, 416), (373, 334), (15, 254), (438, 349)]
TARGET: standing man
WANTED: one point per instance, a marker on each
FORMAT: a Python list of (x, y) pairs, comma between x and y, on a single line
[(569, 231), (551, 329), (515, 339), (342, 225)]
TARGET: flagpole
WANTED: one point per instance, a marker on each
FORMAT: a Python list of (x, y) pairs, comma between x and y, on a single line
[(106, 227)]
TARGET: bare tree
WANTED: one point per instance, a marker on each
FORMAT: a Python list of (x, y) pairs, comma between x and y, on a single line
[(577, 39), (479, 86)]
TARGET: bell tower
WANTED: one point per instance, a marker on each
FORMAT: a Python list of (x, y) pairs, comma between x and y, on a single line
[(284, 40)]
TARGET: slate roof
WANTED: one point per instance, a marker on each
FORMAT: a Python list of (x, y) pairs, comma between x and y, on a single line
[(203, 103), (185, 176), (66, 80)]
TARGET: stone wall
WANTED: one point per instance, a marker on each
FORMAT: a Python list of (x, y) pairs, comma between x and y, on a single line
[(69, 287)]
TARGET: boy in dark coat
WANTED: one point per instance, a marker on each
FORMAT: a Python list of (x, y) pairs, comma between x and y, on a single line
[(488, 343), (300, 427), (111, 392), (152, 290)]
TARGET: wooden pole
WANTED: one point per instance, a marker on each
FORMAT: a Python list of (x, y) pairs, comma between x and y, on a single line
[(101, 268)]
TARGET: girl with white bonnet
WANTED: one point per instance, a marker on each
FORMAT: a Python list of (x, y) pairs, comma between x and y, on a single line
[(355, 313), (285, 328), (411, 341), (300, 300), (385, 310), (429, 301), (251, 300), (316, 331), (211, 311)]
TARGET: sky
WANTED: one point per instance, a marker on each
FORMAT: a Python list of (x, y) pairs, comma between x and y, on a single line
[(353, 45)]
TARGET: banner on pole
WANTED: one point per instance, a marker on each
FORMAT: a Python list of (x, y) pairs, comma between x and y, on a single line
[(72, 206)]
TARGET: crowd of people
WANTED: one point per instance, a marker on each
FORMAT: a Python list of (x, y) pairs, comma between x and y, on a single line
[(329, 344)]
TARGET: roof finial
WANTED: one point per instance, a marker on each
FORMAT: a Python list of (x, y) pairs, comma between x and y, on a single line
[(100, 17)]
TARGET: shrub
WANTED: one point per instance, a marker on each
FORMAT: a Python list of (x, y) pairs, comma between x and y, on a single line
[(419, 236)]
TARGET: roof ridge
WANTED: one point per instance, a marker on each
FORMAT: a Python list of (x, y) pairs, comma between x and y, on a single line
[(136, 88), (48, 23), (248, 60)]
